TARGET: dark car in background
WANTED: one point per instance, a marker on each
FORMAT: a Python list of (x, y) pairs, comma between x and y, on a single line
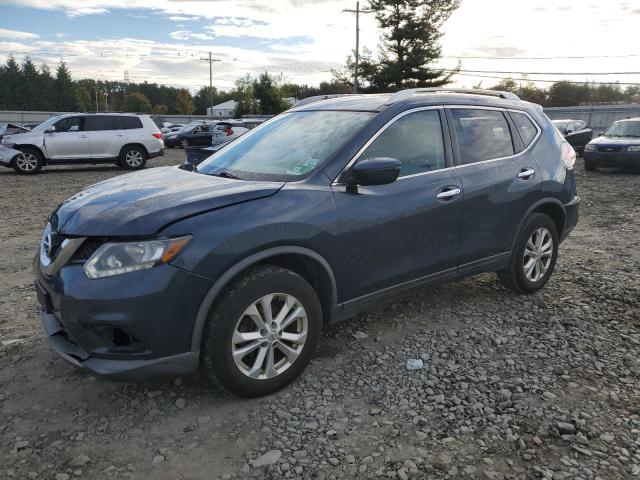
[(320, 213), (195, 134), (577, 133), (619, 146)]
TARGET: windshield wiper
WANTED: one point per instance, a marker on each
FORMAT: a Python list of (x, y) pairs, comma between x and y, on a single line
[(226, 175)]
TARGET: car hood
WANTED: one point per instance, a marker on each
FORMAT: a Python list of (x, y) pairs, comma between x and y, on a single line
[(616, 141), (142, 203)]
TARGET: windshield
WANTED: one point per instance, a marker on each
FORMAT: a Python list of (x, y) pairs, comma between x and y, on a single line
[(287, 147), (624, 129), (561, 124), (46, 124)]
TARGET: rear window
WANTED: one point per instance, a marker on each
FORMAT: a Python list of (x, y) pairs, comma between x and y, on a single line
[(482, 135), (111, 122), (525, 126)]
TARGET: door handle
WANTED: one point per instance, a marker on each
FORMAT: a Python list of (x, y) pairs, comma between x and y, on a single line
[(526, 173), (447, 193), (83, 136), (119, 134)]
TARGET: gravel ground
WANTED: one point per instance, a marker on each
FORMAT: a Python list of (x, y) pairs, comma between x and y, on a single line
[(505, 386)]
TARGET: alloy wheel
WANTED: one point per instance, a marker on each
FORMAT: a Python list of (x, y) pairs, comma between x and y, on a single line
[(538, 253), (133, 158), (27, 162), (269, 336)]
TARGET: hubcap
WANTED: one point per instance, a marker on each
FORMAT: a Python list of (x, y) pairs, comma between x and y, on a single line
[(27, 162), (269, 336), (133, 158), (537, 254)]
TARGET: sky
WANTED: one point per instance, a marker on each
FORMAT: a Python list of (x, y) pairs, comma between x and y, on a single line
[(163, 41)]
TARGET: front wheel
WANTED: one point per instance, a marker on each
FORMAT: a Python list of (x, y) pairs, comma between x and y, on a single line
[(262, 332), (534, 255), (30, 161)]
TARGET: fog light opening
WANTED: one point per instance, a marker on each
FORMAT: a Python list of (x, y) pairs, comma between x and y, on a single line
[(120, 338)]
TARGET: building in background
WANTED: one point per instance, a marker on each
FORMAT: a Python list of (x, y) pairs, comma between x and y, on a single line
[(223, 110)]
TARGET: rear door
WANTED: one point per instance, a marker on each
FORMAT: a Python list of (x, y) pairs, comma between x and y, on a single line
[(106, 135), (394, 236), (500, 178), (69, 141)]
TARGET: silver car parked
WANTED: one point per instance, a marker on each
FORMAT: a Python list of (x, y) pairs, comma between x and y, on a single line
[(125, 139)]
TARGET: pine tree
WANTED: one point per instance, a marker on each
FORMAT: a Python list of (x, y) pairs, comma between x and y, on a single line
[(65, 98), (410, 43), (13, 86), (30, 79)]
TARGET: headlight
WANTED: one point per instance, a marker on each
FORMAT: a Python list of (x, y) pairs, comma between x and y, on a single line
[(634, 148), (118, 258), (590, 148)]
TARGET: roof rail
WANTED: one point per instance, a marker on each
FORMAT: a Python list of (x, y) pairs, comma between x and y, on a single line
[(318, 98), (409, 93)]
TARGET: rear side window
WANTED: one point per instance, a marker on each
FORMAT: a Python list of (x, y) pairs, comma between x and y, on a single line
[(129, 123), (525, 126), (482, 135), (112, 122), (415, 139)]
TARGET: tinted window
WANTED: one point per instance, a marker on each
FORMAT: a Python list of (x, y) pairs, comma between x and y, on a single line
[(415, 140), (525, 126), (69, 124), (482, 135), (101, 122), (129, 123)]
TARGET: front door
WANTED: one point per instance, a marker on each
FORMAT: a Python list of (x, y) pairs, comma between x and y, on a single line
[(69, 140), (500, 177), (407, 232)]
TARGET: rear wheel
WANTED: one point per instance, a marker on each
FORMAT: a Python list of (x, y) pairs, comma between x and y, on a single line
[(133, 158), (589, 166), (262, 331), (533, 257), (30, 161)]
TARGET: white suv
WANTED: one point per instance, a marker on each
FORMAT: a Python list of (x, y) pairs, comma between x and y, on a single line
[(126, 139)]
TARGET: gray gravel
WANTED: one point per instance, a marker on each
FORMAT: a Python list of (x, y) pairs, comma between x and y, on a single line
[(500, 386)]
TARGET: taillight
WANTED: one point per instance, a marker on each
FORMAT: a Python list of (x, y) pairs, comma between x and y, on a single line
[(157, 135), (568, 155)]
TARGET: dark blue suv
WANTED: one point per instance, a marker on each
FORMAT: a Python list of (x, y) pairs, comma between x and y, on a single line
[(235, 265)]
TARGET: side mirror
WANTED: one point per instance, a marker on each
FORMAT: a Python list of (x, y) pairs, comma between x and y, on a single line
[(376, 171), (600, 134), (51, 129)]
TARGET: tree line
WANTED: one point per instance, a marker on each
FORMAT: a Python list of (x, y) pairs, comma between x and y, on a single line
[(409, 47)]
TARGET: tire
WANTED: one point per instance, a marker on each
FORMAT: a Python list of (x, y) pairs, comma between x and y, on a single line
[(589, 167), (133, 158), (248, 374), (184, 143), (29, 162), (516, 276)]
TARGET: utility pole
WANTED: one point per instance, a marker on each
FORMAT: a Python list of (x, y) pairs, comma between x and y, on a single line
[(210, 61), (357, 11)]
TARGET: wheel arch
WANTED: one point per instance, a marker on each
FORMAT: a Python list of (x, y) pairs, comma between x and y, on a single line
[(34, 147), (305, 262), (553, 208), (133, 144)]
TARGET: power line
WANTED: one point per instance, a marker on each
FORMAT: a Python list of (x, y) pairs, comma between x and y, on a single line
[(545, 73), (471, 57), (637, 84)]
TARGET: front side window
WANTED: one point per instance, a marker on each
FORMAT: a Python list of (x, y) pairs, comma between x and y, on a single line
[(69, 124), (288, 146), (525, 126), (414, 139), (482, 135)]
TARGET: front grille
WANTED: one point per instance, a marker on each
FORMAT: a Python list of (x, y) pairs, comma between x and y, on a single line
[(610, 149), (88, 248)]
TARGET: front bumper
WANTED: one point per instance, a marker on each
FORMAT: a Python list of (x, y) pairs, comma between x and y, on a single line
[(86, 321), (613, 159), (571, 210), (7, 155)]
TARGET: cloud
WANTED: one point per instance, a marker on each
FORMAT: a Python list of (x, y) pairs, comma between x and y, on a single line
[(16, 35)]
